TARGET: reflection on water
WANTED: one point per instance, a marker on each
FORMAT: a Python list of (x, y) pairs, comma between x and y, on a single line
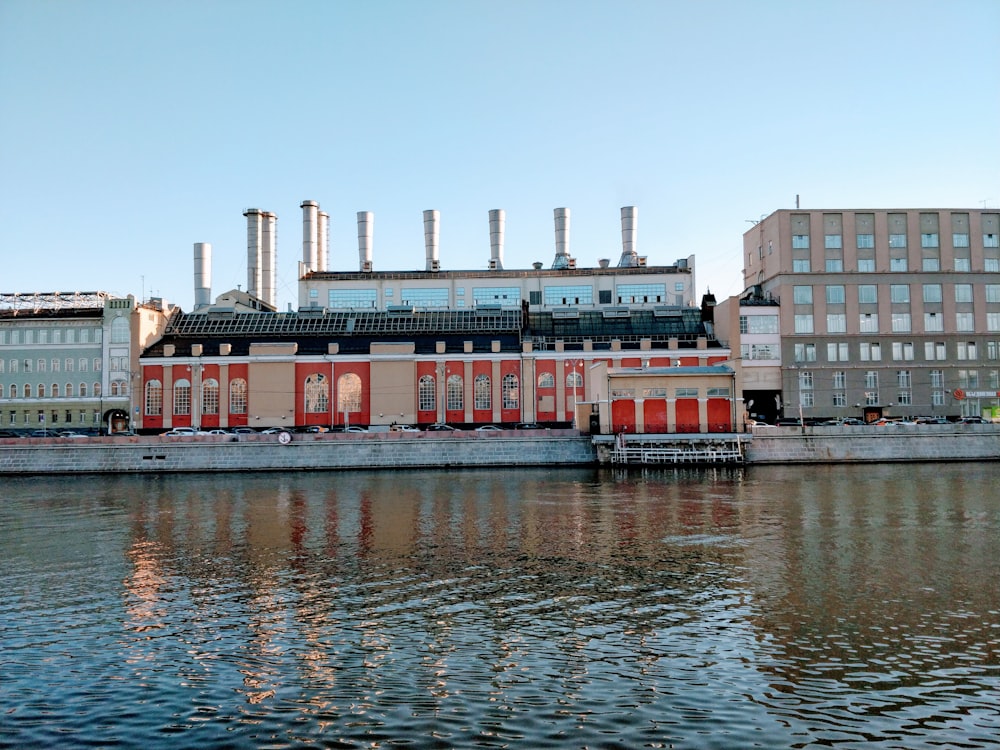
[(776, 607)]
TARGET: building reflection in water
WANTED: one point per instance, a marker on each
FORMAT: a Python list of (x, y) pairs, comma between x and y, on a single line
[(443, 573)]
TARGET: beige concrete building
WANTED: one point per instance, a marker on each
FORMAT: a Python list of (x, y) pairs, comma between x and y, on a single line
[(879, 312)]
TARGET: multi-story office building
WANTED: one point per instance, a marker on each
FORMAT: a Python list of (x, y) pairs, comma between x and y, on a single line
[(891, 312), (69, 360)]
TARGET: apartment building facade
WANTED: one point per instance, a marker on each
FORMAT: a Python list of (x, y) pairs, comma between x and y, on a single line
[(881, 312)]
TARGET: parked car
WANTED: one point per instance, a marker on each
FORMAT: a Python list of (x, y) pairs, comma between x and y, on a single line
[(69, 434), (183, 432), (932, 420), (788, 422), (218, 431), (42, 433), (439, 427), (403, 428), (9, 434), (529, 426), (489, 428), (314, 429), (356, 428), (243, 430), (972, 420)]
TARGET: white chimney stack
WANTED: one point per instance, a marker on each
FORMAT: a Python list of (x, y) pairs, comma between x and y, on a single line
[(323, 235), (269, 258), (202, 275), (431, 234), (366, 229), (562, 259), (630, 223), (253, 250), (310, 235), (498, 219)]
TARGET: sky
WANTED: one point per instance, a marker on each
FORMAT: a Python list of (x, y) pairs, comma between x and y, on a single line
[(129, 131)]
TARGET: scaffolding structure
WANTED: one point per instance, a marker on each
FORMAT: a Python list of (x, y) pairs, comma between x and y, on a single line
[(37, 301)]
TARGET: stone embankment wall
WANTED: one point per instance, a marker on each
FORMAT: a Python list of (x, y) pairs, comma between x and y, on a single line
[(858, 444), (305, 452)]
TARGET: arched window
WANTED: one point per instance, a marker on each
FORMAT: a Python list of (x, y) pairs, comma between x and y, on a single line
[(455, 395), (69, 390), (574, 379), (511, 391), (41, 390), (119, 330), (13, 391), (348, 393), (27, 391), (97, 390), (154, 398), (483, 395), (426, 393), (237, 396), (55, 390), (317, 394), (546, 380), (210, 396), (182, 396), (83, 390)]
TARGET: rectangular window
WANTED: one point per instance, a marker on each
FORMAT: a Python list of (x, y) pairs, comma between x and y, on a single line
[(805, 352), (419, 297), (897, 265), (959, 239), (42, 363), (930, 264), (902, 350), (993, 321), (933, 322), (867, 294), (802, 295), (834, 265), (803, 323), (993, 292), (904, 398), (903, 379), (937, 378), (800, 241), (840, 380), (900, 322), (637, 294), (833, 242), (870, 352), (686, 393), (866, 265), (836, 323), (569, 295), (760, 324), (717, 392), (991, 240), (934, 350), (965, 322), (929, 239), (866, 241), (966, 350), (837, 352), (991, 265), (835, 294), (505, 296), (899, 292), (352, 298), (963, 292), (805, 381), (871, 379), (800, 265), (897, 240), (932, 293), (963, 265)]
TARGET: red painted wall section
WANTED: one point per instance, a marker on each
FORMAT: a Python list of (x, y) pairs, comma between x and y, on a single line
[(303, 371), (428, 416), (654, 416), (687, 415), (719, 415), (511, 367), (623, 416), (482, 416), (240, 370), (363, 371), (631, 362), (209, 421), (151, 372)]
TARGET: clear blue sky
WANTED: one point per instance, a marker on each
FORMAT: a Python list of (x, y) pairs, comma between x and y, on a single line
[(131, 130)]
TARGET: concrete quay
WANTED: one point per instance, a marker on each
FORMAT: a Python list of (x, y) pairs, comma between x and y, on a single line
[(766, 445)]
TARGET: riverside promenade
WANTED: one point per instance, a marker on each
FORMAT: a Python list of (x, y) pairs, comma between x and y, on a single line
[(337, 451)]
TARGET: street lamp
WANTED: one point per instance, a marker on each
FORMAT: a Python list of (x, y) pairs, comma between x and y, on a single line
[(574, 363)]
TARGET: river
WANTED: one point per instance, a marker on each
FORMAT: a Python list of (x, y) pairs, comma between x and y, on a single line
[(832, 606)]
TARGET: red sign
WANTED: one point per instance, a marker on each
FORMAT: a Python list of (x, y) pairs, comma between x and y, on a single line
[(958, 393)]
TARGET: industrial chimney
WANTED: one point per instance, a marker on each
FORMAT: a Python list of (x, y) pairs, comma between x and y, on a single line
[(562, 259), (202, 275), (366, 228), (269, 258), (498, 219), (253, 250), (323, 235), (310, 235), (630, 223), (431, 234)]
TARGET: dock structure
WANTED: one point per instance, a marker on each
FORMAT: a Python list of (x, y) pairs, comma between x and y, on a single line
[(716, 448)]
